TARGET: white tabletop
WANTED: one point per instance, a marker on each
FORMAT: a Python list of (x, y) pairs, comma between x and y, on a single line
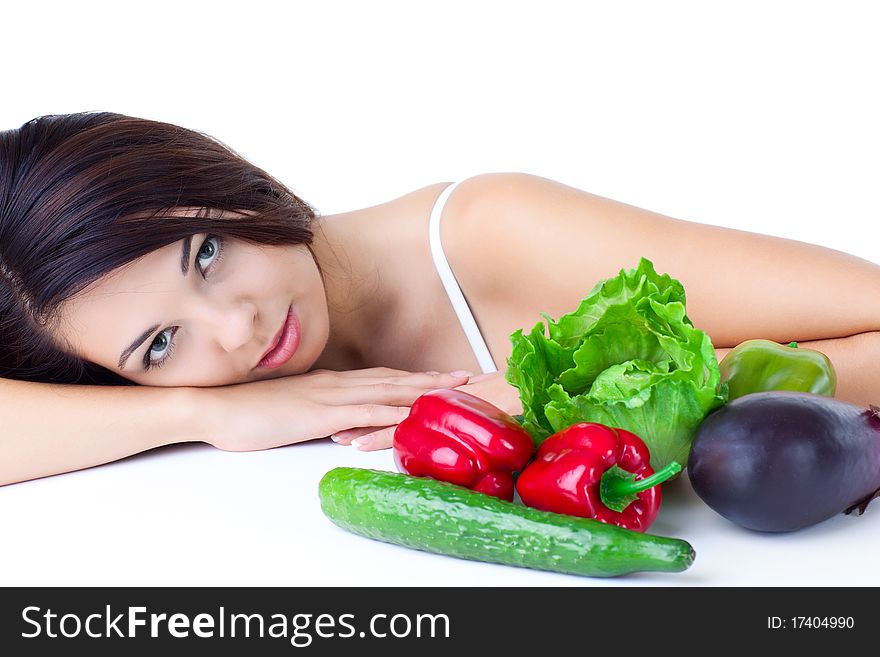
[(193, 515)]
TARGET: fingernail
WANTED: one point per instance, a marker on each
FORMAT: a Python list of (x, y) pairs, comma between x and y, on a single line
[(461, 373), (363, 441), (335, 438)]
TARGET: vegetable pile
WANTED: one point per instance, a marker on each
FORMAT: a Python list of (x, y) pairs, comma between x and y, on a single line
[(617, 397), (628, 357)]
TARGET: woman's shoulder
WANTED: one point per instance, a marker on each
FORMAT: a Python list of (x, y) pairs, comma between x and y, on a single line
[(479, 196), (478, 192), (476, 222)]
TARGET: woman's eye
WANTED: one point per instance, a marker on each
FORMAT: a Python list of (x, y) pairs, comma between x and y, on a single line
[(210, 250), (162, 347)]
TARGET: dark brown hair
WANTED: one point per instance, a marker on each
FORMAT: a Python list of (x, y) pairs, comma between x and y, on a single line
[(83, 194)]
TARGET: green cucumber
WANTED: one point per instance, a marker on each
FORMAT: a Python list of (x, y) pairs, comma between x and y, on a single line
[(440, 517)]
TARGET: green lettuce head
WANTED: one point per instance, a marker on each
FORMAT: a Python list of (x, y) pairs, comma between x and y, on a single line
[(628, 357)]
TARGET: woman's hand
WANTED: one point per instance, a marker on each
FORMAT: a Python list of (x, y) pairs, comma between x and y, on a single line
[(291, 409), (495, 389), (492, 387)]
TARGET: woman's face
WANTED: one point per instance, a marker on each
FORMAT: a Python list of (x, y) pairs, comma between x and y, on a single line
[(207, 327)]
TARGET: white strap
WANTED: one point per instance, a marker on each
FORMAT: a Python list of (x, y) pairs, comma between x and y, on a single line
[(453, 290)]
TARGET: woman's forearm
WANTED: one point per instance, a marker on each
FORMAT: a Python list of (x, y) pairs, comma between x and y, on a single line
[(855, 359), (48, 429)]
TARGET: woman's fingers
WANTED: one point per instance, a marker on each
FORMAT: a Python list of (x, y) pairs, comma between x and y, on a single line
[(364, 373), (389, 394), (382, 439), (367, 439), (383, 374), (427, 380), (437, 379), (345, 437), (354, 416)]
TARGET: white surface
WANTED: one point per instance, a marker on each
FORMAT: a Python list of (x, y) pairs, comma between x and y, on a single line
[(193, 515), (760, 116)]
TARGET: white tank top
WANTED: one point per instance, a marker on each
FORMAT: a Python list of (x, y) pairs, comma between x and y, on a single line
[(453, 290)]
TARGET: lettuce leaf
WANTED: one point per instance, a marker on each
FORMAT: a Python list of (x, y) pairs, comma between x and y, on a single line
[(627, 357)]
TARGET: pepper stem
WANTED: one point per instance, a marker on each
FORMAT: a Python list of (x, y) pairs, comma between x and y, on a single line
[(619, 491)]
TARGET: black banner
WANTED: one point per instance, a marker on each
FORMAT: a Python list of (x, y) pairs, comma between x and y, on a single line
[(276, 621)]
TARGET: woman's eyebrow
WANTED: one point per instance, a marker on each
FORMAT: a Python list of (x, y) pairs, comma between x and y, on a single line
[(184, 256), (134, 345), (138, 341)]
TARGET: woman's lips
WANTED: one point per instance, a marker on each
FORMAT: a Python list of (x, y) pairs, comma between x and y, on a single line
[(286, 342)]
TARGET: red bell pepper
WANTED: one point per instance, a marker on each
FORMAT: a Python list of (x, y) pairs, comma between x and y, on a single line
[(454, 436), (594, 471)]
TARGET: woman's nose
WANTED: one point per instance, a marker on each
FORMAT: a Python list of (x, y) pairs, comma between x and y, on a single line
[(235, 325)]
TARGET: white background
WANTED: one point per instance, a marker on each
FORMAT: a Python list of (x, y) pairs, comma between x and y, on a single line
[(762, 116)]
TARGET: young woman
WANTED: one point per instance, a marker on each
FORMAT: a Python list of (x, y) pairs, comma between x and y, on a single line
[(155, 287)]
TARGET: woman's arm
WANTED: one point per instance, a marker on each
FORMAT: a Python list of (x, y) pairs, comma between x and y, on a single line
[(51, 428), (47, 429), (553, 242)]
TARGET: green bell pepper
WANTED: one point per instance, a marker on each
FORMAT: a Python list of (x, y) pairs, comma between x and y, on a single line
[(764, 365)]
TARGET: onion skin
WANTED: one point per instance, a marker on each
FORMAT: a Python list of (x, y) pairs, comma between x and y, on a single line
[(781, 461)]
